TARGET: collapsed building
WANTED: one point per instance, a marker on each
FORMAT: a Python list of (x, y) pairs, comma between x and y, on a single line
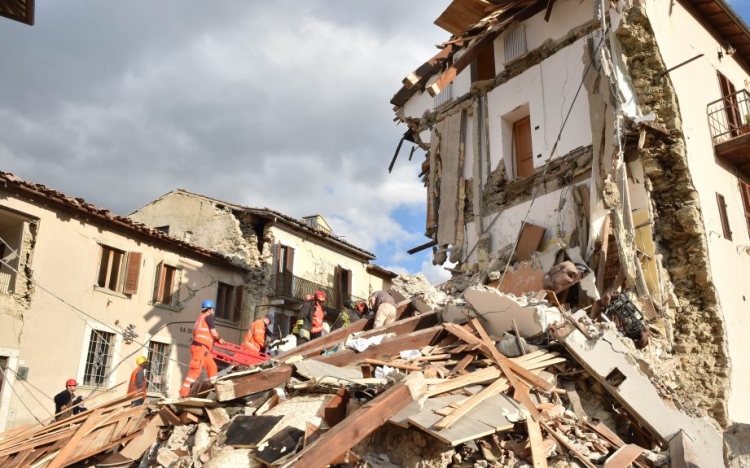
[(616, 130)]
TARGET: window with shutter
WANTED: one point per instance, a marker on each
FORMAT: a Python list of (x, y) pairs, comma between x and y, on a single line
[(723, 215), (745, 192), (111, 274), (132, 273), (524, 157), (239, 295), (224, 309), (167, 284)]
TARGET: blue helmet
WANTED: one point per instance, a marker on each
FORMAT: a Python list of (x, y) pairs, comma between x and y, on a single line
[(208, 304)]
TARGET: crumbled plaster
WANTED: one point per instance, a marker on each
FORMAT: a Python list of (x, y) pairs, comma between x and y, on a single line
[(393, 446), (699, 330), (16, 304)]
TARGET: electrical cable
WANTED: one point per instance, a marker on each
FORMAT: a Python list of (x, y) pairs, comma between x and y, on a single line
[(21, 400)]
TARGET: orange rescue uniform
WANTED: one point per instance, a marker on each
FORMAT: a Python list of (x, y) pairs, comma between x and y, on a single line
[(255, 338), (200, 352), (317, 319), (133, 384)]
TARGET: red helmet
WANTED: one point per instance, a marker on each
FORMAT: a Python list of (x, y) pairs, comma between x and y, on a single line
[(320, 296), (71, 382)]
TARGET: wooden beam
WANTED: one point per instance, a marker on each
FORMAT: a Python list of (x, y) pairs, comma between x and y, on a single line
[(472, 402), (388, 347), (465, 361), (565, 443), (624, 456), (91, 422), (359, 424), (538, 453), (462, 62), (395, 365), (231, 389), (548, 13)]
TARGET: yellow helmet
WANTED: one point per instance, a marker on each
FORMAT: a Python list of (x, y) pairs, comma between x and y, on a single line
[(141, 360)]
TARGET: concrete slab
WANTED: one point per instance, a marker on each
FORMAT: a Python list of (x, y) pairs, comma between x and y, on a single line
[(609, 356), (497, 312)]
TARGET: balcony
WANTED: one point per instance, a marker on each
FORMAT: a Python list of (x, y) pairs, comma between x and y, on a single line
[(729, 122), (286, 285)]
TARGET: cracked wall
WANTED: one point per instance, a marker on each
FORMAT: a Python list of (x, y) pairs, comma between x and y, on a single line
[(15, 304)]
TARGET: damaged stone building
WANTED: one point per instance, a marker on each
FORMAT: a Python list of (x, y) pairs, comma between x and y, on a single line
[(83, 293), (617, 129), (287, 258)]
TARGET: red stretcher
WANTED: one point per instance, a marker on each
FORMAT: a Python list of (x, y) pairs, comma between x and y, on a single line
[(235, 355)]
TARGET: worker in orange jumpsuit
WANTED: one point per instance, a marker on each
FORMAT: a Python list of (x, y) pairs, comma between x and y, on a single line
[(317, 314), (255, 338), (204, 335), (137, 382)]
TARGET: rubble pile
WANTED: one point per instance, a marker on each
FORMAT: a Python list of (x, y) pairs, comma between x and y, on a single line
[(501, 380)]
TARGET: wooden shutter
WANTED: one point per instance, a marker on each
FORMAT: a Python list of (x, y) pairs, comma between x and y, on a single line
[(731, 109), (349, 283), (132, 273), (277, 267), (745, 191), (524, 154), (289, 267), (723, 215), (239, 294), (159, 283)]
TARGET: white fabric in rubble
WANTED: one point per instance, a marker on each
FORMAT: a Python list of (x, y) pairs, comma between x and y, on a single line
[(383, 372), (361, 344), (409, 354)]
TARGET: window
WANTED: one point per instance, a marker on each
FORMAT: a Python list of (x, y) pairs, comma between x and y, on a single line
[(163, 229), (284, 259), (158, 358), (745, 192), (3, 369), (515, 43), (483, 67), (167, 285), (229, 302), (523, 155), (343, 286), (12, 228), (119, 271), (723, 215), (98, 358)]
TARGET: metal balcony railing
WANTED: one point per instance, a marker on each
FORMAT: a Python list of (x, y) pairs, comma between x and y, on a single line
[(729, 117), (288, 285)]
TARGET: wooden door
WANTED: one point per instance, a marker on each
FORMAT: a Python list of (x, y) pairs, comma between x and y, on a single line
[(523, 152), (731, 109)]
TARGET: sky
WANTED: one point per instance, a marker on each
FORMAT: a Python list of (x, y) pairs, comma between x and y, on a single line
[(281, 104)]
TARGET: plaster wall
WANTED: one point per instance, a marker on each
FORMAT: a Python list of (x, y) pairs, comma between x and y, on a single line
[(545, 93), (554, 211), (566, 15), (66, 305), (680, 38), (317, 263)]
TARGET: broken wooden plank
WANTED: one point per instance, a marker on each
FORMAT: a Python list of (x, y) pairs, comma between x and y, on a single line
[(538, 453), (335, 410), (396, 365), (83, 430), (624, 456), (472, 402), (168, 416), (503, 363), (230, 389), (575, 400), (217, 416), (566, 443), (465, 361), (359, 424), (388, 347)]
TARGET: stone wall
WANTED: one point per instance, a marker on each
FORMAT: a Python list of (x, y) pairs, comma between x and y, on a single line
[(699, 331)]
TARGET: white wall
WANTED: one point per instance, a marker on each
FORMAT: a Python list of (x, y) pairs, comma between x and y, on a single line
[(548, 90), (51, 337), (680, 38)]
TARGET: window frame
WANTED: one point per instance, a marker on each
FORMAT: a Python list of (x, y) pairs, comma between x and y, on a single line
[(233, 304), (128, 271), (745, 195), (6, 392), (157, 298), (91, 327), (166, 369), (724, 216)]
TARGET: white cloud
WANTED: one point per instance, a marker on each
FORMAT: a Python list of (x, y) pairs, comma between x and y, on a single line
[(435, 274)]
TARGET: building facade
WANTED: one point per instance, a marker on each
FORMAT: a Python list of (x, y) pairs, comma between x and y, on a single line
[(288, 258), (83, 293), (618, 128)]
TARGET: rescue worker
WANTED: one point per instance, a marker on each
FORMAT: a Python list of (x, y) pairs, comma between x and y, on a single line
[(138, 380), (349, 314), (204, 336), (385, 308), (255, 338), (317, 315), (66, 399), (302, 326)]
